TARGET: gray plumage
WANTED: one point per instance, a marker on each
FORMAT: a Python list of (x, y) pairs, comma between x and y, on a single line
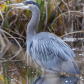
[(50, 52), (46, 49)]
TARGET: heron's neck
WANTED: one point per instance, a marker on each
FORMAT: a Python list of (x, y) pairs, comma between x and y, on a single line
[(31, 27)]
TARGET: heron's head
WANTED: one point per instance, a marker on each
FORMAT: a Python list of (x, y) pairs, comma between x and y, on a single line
[(30, 5)]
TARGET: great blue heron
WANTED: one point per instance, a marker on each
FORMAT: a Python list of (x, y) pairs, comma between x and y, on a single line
[(47, 50)]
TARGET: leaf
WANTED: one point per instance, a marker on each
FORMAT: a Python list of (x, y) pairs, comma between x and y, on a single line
[(19, 1), (26, 75), (5, 69), (2, 79), (18, 82), (7, 8), (2, 7), (39, 2), (51, 10), (60, 18), (42, 8), (27, 13)]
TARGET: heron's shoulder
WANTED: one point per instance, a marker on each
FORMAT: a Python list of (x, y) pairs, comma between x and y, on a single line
[(52, 41), (45, 35)]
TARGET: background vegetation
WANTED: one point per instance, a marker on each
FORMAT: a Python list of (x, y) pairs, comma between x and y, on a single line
[(65, 18)]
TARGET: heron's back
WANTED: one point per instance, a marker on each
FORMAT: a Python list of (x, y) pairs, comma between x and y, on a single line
[(52, 53)]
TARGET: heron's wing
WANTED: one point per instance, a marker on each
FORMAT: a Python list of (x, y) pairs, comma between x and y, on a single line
[(48, 46), (50, 51), (64, 48)]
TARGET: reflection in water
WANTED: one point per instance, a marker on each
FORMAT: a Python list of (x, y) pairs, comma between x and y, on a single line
[(55, 79), (69, 80)]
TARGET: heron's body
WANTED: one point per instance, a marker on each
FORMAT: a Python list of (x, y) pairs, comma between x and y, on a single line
[(52, 54), (46, 49)]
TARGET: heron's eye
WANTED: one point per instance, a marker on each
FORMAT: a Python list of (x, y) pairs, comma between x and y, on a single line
[(26, 4)]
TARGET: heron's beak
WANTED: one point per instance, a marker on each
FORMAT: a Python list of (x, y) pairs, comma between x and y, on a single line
[(19, 5)]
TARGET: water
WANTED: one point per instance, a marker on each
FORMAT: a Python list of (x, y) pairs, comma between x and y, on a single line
[(54, 79)]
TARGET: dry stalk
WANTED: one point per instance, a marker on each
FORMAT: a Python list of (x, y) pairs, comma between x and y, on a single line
[(13, 21), (20, 48), (64, 14), (46, 14), (72, 33), (15, 33), (67, 8), (5, 18)]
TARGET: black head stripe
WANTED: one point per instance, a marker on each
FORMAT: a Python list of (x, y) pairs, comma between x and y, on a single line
[(31, 2)]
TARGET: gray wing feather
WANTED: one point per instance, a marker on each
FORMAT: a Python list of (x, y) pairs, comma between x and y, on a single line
[(48, 46), (51, 51)]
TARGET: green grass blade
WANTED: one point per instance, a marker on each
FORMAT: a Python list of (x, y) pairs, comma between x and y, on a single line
[(5, 69)]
